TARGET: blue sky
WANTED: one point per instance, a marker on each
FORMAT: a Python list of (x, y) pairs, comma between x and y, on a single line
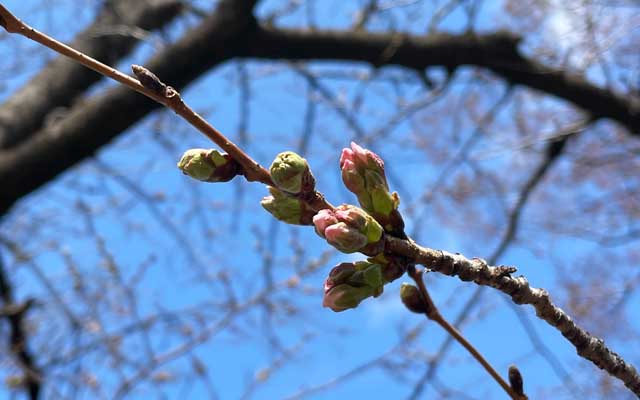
[(144, 210)]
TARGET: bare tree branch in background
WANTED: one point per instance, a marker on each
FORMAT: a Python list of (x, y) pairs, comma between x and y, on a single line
[(52, 123)]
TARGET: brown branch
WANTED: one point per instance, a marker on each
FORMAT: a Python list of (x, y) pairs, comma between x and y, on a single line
[(147, 84), (231, 32), (62, 80), (18, 337), (431, 312), (497, 52), (553, 151), (59, 146), (518, 288)]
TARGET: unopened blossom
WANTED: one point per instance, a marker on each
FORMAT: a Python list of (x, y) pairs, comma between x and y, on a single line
[(208, 165), (286, 208), (411, 298), (363, 174), (290, 173), (347, 228), (350, 283)]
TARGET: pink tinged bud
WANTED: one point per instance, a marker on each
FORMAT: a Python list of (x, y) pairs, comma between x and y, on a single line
[(359, 219), (322, 220), (362, 158), (367, 158), (339, 274), (343, 297), (356, 184), (363, 174), (350, 283), (348, 228), (344, 238), (353, 216)]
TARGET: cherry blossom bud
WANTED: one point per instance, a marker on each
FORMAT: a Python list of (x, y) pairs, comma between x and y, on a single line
[(363, 174), (515, 380), (347, 228), (344, 238), (344, 297), (286, 208), (208, 165), (350, 283), (323, 219), (291, 173), (410, 296)]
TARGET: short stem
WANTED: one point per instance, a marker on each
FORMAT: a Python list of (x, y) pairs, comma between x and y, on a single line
[(433, 314)]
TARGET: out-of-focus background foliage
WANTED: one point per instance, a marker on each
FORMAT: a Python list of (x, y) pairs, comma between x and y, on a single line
[(509, 128)]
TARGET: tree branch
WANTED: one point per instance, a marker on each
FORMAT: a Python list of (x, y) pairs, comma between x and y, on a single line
[(497, 52), (59, 83), (478, 271), (62, 144), (232, 32), (14, 314)]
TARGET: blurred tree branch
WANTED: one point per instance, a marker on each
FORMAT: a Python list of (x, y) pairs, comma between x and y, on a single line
[(232, 32), (14, 313), (62, 81)]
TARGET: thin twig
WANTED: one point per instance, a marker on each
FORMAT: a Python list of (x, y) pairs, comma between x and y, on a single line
[(154, 89), (433, 314)]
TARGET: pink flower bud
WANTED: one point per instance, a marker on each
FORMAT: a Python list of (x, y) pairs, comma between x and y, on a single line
[(324, 219), (344, 297), (345, 238), (350, 283), (363, 174), (347, 228)]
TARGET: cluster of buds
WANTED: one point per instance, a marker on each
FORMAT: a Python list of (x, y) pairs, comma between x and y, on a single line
[(293, 182), (208, 165), (350, 283), (349, 229)]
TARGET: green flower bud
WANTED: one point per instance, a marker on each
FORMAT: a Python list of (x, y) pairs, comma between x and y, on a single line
[(290, 173), (411, 298), (372, 275), (208, 165), (344, 297), (286, 208), (347, 228), (350, 283)]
